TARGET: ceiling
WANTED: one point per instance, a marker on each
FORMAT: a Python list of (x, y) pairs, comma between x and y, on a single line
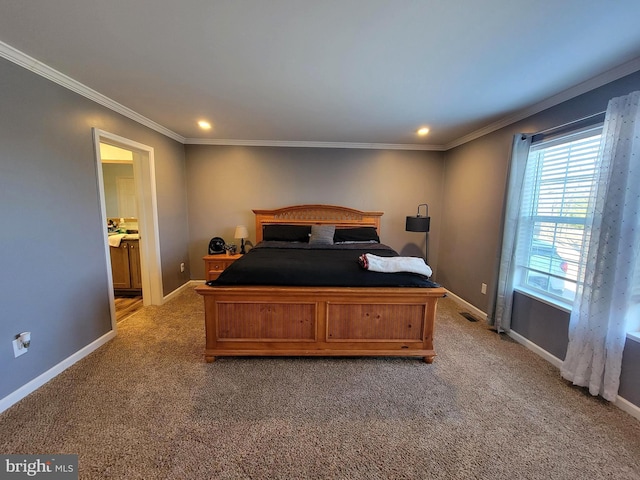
[(334, 72)]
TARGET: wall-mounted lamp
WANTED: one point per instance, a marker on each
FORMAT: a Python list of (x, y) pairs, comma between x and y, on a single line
[(242, 233), (420, 223)]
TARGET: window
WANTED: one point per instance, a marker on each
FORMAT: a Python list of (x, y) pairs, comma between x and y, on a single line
[(557, 189)]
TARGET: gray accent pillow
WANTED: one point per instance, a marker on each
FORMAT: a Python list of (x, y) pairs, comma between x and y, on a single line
[(322, 234)]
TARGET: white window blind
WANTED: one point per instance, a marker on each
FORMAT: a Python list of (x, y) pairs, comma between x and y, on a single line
[(558, 186)]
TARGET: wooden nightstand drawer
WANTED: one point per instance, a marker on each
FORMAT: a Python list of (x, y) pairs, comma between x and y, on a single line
[(214, 265)]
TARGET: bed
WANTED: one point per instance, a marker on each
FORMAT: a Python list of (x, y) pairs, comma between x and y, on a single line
[(247, 314)]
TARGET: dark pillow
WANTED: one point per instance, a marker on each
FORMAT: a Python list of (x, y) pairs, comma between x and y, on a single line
[(286, 233), (359, 234), (322, 234)]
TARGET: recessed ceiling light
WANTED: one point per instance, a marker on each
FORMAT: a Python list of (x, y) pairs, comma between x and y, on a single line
[(204, 124), (423, 131)]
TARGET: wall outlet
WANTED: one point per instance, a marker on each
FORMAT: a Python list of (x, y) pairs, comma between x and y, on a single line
[(483, 288), (182, 267), (21, 344)]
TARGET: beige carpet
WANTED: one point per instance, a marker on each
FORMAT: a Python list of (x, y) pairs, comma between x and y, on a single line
[(147, 406)]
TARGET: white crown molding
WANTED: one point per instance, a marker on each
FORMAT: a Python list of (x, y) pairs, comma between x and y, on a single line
[(30, 63), (19, 58), (584, 87), (311, 144)]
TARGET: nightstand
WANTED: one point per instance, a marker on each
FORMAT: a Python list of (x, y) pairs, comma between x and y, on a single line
[(214, 265)]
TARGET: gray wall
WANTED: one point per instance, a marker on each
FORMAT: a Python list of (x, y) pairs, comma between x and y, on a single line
[(473, 192), (541, 323), (53, 280), (473, 197), (226, 183), (630, 373)]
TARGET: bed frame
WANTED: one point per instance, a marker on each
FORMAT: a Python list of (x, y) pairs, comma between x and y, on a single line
[(319, 321)]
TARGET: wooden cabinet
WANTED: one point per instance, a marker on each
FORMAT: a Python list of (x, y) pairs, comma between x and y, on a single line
[(125, 267), (134, 264), (214, 265)]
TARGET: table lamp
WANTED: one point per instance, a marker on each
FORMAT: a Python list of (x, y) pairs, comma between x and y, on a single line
[(241, 233)]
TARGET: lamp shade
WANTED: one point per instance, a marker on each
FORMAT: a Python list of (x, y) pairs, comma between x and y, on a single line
[(418, 224), (241, 232)]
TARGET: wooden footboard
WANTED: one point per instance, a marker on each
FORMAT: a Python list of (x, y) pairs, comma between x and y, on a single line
[(326, 321)]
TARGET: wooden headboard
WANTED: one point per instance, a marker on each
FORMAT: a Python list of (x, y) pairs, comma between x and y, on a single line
[(341, 217)]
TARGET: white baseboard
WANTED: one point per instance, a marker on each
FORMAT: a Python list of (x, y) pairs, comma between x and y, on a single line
[(620, 402), (627, 406), (37, 382), (40, 380), (177, 291), (552, 359), (466, 305)]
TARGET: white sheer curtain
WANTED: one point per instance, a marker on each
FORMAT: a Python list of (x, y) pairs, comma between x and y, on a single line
[(500, 316), (606, 304)]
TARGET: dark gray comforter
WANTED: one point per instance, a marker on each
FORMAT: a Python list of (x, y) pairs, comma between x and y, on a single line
[(302, 264)]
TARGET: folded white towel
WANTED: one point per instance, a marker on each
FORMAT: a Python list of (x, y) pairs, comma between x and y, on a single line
[(114, 240), (395, 264)]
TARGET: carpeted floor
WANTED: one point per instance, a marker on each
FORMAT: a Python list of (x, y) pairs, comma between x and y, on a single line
[(146, 406)]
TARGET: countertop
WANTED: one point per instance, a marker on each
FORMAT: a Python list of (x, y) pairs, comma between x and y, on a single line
[(127, 236)]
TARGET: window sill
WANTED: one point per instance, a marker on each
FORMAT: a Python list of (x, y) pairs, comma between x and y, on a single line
[(634, 336), (565, 307)]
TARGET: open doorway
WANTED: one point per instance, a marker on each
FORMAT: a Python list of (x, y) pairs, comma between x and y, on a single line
[(121, 202), (137, 199)]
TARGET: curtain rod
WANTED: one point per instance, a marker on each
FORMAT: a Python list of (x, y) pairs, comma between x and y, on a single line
[(567, 125)]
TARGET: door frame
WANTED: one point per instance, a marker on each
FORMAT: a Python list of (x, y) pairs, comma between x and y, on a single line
[(145, 181)]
